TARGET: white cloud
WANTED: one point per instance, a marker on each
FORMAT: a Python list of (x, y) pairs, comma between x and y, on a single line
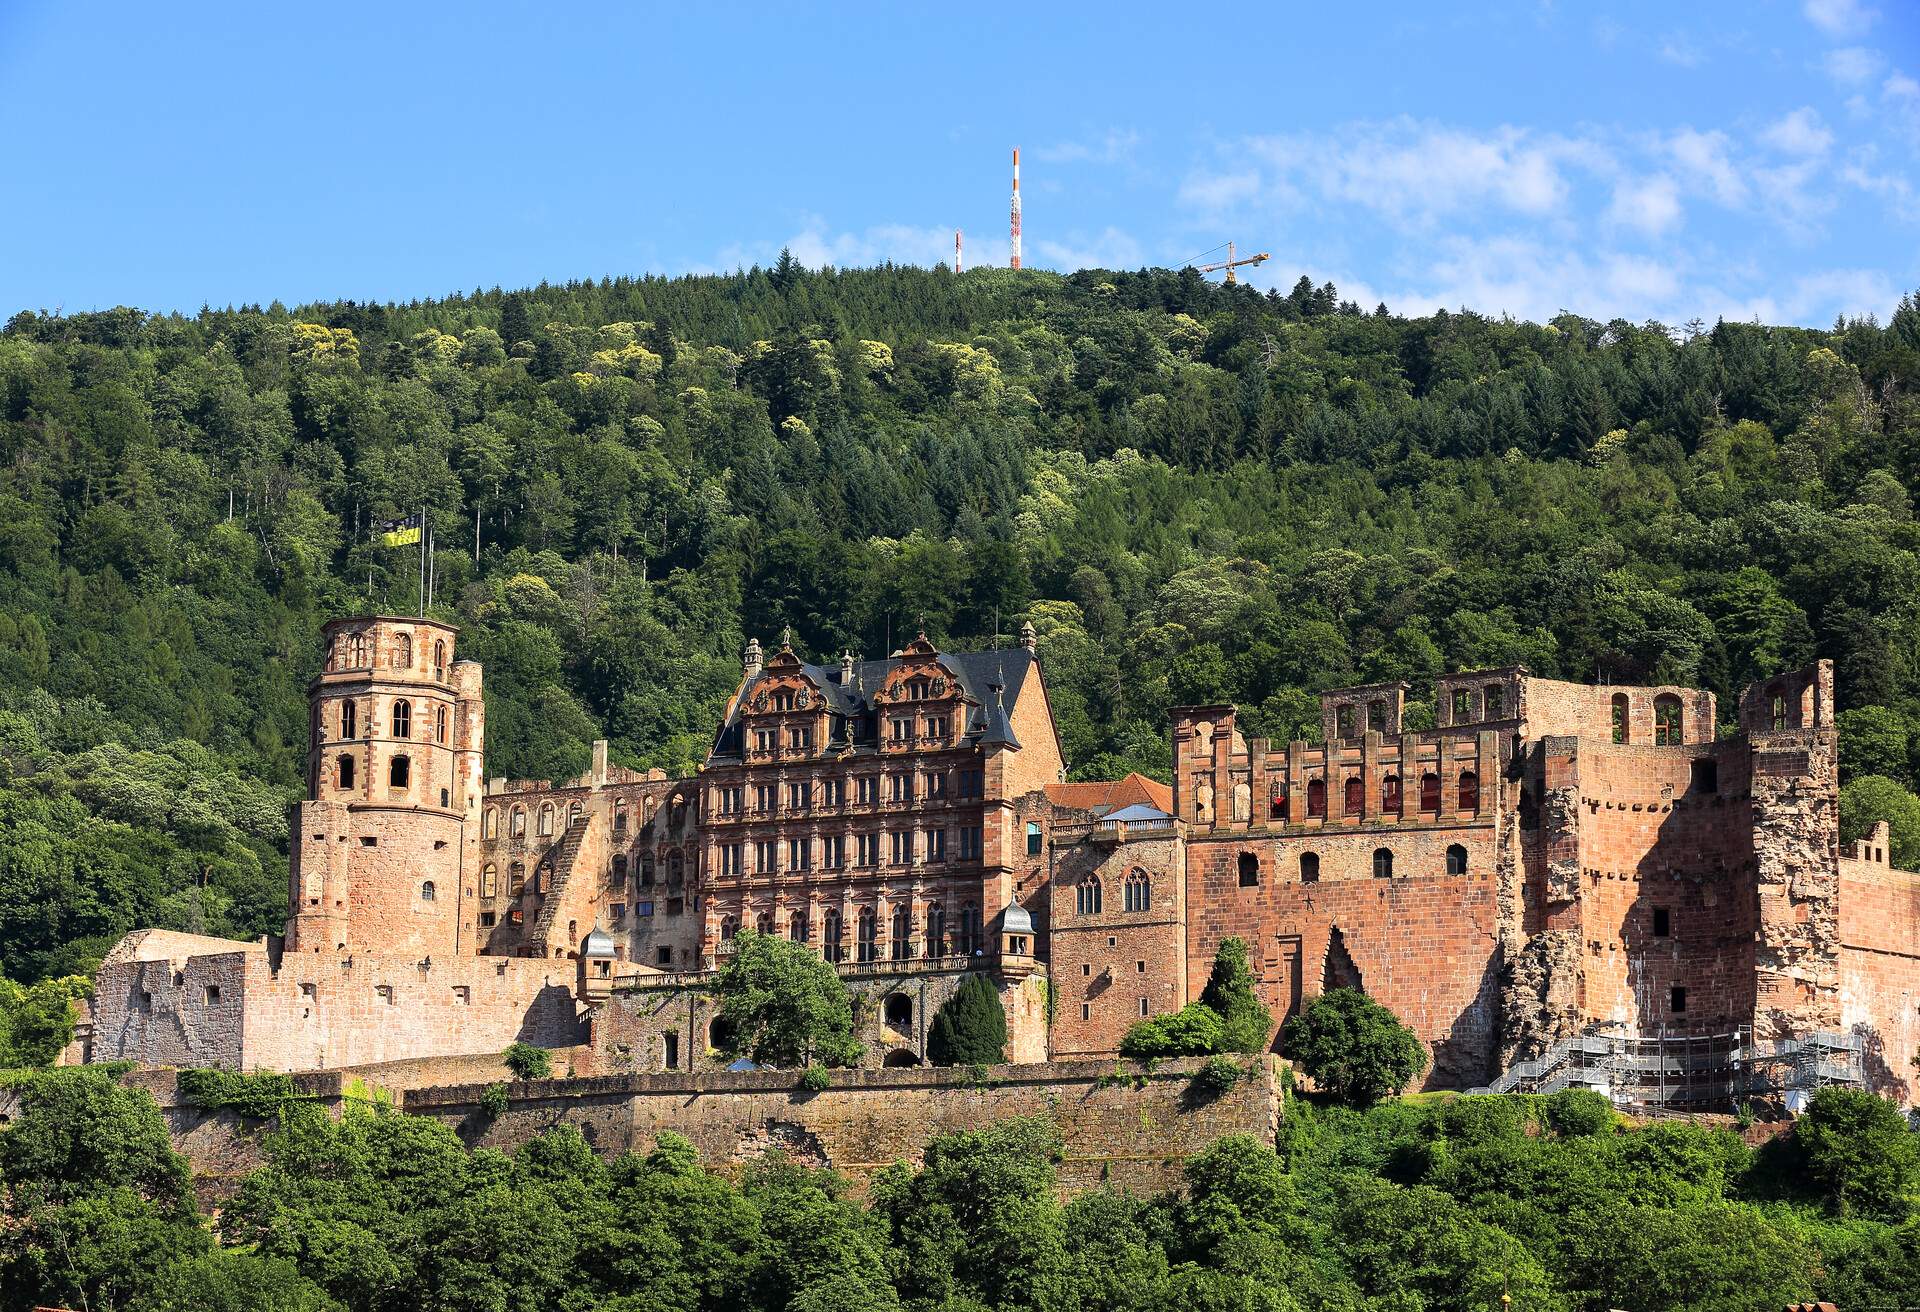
[(1116, 146), (816, 245), (1839, 17), (1900, 195), (1704, 157), (1799, 133), (1416, 172), (1852, 65), (1533, 280), (1676, 48), (1649, 205), (1108, 249), (1219, 192)]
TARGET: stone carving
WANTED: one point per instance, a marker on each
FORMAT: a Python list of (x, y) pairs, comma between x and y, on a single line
[(1203, 800), (1242, 801)]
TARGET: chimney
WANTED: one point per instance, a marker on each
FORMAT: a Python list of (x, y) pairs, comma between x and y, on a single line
[(1028, 638), (751, 665)]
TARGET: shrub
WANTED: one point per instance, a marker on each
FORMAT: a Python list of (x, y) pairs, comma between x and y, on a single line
[(1478, 1118), (1217, 1076), (1859, 1151), (816, 1079), (263, 1095), (1354, 1048), (970, 1029), (528, 1062), (1248, 1025), (493, 1103), (1573, 1113), (1195, 1030)]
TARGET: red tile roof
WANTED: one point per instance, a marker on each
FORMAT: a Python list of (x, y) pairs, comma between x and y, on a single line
[(1107, 796)]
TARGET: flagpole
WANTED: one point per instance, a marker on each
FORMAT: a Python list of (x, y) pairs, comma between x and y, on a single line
[(423, 562)]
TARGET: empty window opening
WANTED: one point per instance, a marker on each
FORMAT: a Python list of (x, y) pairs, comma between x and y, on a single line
[(1339, 971), (1666, 721), (1377, 716), (1343, 720), (673, 1051), (1469, 791), (213, 995), (309, 991), (1139, 967), (1316, 797), (1619, 715), (399, 772), (1495, 699), (1143, 1006), (720, 1034), (146, 1001), (900, 1057), (899, 1010), (1676, 1000), (663, 956), (1249, 870), (1309, 867), (1085, 1011), (1456, 859), (345, 766), (462, 995), (1086, 968), (1355, 799), (1462, 705), (1390, 794), (1662, 922), (1706, 776), (1429, 792)]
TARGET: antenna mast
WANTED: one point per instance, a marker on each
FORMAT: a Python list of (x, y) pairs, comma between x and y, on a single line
[(957, 266), (1016, 208)]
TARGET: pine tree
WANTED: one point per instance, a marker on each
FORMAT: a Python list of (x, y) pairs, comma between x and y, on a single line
[(970, 1029), (1229, 993)]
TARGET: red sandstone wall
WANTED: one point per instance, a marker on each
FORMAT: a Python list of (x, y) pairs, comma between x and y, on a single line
[(1880, 969), (1112, 969)]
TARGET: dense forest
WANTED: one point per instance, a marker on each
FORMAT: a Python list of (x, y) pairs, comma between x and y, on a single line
[(1419, 1206), (1195, 492)]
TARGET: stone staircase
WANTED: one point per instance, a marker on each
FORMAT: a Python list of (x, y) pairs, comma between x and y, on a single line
[(562, 855)]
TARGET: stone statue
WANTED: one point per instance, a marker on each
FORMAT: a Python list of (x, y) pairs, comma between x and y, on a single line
[(1242, 800), (1203, 800)]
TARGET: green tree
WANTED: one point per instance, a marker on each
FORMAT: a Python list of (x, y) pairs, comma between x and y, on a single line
[(1875, 741), (527, 1062), (782, 1005), (1352, 1047), (1248, 1025), (1873, 798), (1860, 1153), (970, 1028)]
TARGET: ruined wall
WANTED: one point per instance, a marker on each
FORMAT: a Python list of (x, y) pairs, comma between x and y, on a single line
[(1579, 710), (235, 1010), (1879, 926), (893, 1010), (1134, 1132), (1421, 943)]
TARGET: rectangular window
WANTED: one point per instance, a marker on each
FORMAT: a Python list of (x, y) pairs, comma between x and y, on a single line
[(729, 858), (833, 792), (676, 906), (765, 740), (971, 783), (833, 852), (1143, 1006), (730, 801), (486, 920), (307, 991), (939, 728), (1676, 1000), (902, 847), (800, 737), (901, 729), (663, 956), (644, 909), (1084, 1011), (869, 789), (969, 842), (766, 856), (1496, 701), (213, 995), (1085, 969), (1706, 777), (799, 854), (1036, 842), (766, 798), (619, 913), (936, 845), (1377, 716), (1662, 923), (799, 796), (1462, 705), (673, 1052), (936, 785), (899, 788), (462, 995)]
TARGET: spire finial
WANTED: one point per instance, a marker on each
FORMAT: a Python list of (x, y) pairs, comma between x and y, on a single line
[(1028, 638), (752, 661)]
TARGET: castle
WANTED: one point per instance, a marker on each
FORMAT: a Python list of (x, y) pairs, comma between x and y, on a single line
[(1548, 858)]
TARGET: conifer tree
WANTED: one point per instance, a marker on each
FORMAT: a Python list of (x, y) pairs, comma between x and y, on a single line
[(970, 1029)]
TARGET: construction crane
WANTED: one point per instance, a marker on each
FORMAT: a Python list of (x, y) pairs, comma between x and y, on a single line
[(1230, 264)]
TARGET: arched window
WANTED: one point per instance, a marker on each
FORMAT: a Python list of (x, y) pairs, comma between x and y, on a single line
[(620, 869), (1429, 791), (869, 934), (798, 927), (832, 936), (1776, 708), (1390, 794), (440, 661), (1355, 799), (1382, 863), (969, 930), (729, 928), (516, 879), (936, 930), (573, 815), (1620, 717), (1456, 859), (403, 650), (901, 945), (1316, 797), (1086, 896), (359, 644), (619, 815), (399, 772), (1666, 721), (517, 826), (545, 828), (490, 823), (426, 890), (345, 766), (898, 1011), (1249, 868), (489, 881), (440, 725), (1139, 890), (349, 720), (1309, 867), (763, 923), (1469, 791), (403, 719)]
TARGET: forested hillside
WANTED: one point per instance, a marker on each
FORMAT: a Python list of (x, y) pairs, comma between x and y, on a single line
[(1195, 492)]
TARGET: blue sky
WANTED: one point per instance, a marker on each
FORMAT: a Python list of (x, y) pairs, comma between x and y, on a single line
[(1641, 160)]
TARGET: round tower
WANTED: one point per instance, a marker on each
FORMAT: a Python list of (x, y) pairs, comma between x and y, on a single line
[(393, 769)]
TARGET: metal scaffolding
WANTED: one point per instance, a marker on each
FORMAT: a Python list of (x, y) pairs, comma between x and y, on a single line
[(1694, 1071)]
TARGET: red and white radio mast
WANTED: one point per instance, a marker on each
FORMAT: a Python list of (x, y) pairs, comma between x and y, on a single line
[(1016, 207), (956, 250)]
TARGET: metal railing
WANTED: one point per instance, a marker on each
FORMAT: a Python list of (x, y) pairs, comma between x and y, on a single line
[(1697, 1071)]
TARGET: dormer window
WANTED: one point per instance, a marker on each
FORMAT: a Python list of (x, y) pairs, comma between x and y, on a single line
[(782, 700), (919, 689)]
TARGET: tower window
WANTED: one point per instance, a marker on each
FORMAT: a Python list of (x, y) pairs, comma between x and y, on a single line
[(399, 772), (1382, 863), (1619, 714), (1309, 867), (1666, 721), (1456, 859), (440, 661), (349, 719), (1706, 776), (1676, 1000), (1662, 923), (440, 725), (345, 764), (1249, 870), (1469, 791), (1033, 838), (426, 890), (403, 719)]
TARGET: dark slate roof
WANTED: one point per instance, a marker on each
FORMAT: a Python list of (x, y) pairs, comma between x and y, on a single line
[(976, 671)]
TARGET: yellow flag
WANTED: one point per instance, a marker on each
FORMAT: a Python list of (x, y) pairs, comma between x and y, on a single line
[(404, 537)]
